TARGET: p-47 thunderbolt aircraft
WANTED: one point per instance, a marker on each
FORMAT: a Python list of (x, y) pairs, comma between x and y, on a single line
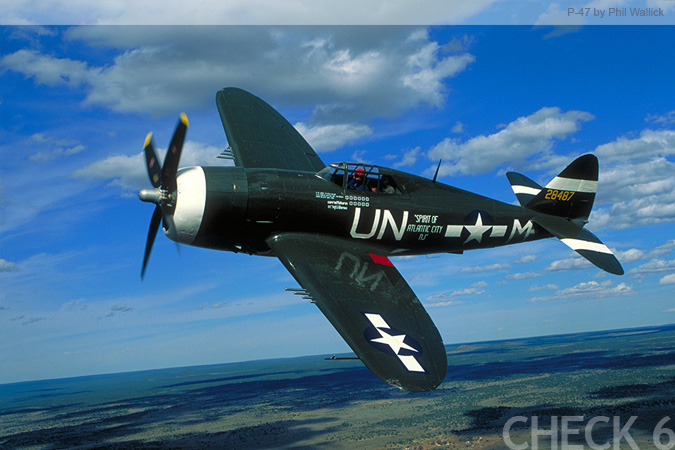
[(334, 227)]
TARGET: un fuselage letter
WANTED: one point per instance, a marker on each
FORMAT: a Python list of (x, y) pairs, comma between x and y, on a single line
[(382, 219)]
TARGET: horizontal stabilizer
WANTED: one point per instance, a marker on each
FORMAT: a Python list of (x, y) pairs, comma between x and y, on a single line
[(581, 241), (524, 188)]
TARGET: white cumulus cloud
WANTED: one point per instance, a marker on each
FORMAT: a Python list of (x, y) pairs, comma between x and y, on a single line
[(637, 180), (519, 140), (587, 290), (449, 298), (253, 12), (7, 266), (129, 171), (324, 138), (351, 73)]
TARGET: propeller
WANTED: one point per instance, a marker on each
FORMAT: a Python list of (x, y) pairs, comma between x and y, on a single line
[(163, 180)]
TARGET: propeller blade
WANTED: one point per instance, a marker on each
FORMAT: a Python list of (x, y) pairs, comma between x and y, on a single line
[(163, 180), (152, 163), (152, 232), (173, 155)]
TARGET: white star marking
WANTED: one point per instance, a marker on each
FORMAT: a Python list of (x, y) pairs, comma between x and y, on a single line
[(395, 342), (477, 230)]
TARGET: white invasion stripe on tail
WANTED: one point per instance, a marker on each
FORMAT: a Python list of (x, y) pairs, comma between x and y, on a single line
[(578, 244), (517, 189), (573, 184)]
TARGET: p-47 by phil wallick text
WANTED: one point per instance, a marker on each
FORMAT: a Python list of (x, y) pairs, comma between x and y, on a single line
[(616, 12)]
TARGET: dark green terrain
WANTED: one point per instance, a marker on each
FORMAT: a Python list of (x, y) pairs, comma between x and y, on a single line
[(312, 403)]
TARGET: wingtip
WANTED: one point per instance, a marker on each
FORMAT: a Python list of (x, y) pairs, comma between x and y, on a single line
[(617, 269)]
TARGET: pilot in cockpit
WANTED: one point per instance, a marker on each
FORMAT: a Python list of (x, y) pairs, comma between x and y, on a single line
[(387, 185), (357, 182)]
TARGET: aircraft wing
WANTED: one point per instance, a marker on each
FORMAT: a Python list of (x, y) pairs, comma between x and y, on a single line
[(260, 137), (371, 306)]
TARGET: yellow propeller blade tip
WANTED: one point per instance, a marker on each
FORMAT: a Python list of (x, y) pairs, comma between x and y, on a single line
[(148, 138), (184, 119)]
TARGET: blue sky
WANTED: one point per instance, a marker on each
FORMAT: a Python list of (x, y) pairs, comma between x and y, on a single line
[(77, 102)]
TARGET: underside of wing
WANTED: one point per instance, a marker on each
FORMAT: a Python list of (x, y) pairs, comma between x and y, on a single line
[(370, 304), (260, 137)]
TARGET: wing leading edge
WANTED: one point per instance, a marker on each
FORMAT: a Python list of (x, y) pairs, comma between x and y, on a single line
[(260, 137), (370, 304)]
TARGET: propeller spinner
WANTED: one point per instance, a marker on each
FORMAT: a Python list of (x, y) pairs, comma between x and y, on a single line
[(164, 182)]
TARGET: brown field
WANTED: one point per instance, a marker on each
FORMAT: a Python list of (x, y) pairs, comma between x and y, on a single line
[(311, 403)]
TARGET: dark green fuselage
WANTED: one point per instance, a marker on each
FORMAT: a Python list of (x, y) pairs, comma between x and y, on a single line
[(246, 206)]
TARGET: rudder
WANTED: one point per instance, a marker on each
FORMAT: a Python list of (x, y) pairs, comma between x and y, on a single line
[(571, 193)]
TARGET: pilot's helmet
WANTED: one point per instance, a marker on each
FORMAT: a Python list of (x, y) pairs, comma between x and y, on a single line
[(359, 172)]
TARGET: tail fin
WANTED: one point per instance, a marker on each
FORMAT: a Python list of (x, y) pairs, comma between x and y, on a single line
[(565, 204), (570, 194)]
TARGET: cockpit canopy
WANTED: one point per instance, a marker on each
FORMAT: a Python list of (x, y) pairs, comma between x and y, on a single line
[(360, 177)]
